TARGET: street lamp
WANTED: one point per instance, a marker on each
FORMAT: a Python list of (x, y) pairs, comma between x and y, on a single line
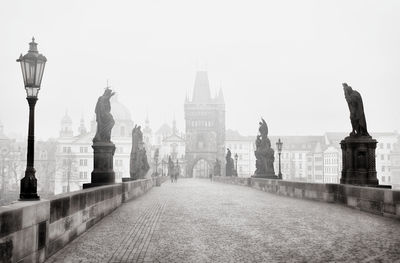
[(32, 66), (236, 159), (279, 146)]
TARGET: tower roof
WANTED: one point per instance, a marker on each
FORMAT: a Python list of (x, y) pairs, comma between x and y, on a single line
[(201, 91), (66, 119)]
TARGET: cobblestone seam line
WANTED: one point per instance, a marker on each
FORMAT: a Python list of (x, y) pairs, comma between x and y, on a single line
[(135, 244)]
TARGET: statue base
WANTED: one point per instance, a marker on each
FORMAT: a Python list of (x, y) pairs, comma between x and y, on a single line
[(358, 161), (266, 176), (128, 179), (103, 173)]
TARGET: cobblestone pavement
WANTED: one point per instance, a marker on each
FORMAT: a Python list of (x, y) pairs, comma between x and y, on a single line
[(200, 221)]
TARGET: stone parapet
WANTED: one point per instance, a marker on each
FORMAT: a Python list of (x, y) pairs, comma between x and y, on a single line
[(31, 231), (385, 202)]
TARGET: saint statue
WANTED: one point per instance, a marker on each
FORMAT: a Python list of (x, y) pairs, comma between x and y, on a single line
[(264, 153), (139, 165), (357, 117), (229, 168), (104, 119)]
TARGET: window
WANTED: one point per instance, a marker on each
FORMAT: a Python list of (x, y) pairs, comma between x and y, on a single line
[(381, 146), (83, 149), (383, 168), (80, 175), (389, 179), (66, 149), (43, 155), (388, 146), (64, 188), (65, 162), (118, 163), (83, 162), (382, 157), (383, 179)]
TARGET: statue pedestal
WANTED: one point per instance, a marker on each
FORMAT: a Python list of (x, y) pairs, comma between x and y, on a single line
[(358, 161), (266, 176), (127, 179), (103, 173)]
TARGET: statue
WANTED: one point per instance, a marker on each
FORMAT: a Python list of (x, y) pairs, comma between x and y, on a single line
[(356, 107), (230, 170), (139, 165), (358, 149), (264, 153), (217, 168), (103, 149), (104, 119)]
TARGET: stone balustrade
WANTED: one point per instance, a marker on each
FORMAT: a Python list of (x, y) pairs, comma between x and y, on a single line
[(31, 231), (385, 202)]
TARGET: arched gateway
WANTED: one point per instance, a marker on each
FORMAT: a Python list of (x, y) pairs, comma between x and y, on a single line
[(205, 128)]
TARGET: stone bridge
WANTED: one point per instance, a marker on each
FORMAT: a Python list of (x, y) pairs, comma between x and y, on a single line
[(195, 220)]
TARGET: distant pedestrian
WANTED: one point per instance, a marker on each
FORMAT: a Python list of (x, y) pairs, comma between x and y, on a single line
[(177, 171), (211, 177)]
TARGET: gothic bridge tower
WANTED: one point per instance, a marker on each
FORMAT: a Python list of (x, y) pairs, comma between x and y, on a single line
[(205, 128)]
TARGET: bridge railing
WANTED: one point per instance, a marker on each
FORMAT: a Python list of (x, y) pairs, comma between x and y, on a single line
[(385, 202), (31, 231)]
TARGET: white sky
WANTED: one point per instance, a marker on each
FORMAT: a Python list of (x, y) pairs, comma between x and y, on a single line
[(283, 60)]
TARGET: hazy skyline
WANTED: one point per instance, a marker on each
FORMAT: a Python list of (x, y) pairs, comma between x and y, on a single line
[(282, 60)]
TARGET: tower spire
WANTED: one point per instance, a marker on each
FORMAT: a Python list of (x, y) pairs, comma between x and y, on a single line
[(201, 91)]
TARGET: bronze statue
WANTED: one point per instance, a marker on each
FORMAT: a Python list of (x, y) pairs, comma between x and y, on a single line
[(104, 119), (229, 168), (139, 165), (264, 153), (357, 116)]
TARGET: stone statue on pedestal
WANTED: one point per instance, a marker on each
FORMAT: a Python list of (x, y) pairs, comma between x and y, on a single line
[(217, 168), (358, 149), (264, 153), (103, 148), (230, 168), (139, 165)]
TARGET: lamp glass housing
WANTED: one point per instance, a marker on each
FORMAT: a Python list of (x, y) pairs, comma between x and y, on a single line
[(279, 145), (32, 67)]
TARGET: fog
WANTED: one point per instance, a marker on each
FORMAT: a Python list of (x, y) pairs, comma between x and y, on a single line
[(283, 60)]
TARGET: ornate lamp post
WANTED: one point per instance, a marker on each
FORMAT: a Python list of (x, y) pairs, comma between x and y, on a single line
[(279, 146), (236, 160), (32, 66)]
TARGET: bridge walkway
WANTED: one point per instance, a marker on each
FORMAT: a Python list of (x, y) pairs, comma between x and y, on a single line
[(199, 221)]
